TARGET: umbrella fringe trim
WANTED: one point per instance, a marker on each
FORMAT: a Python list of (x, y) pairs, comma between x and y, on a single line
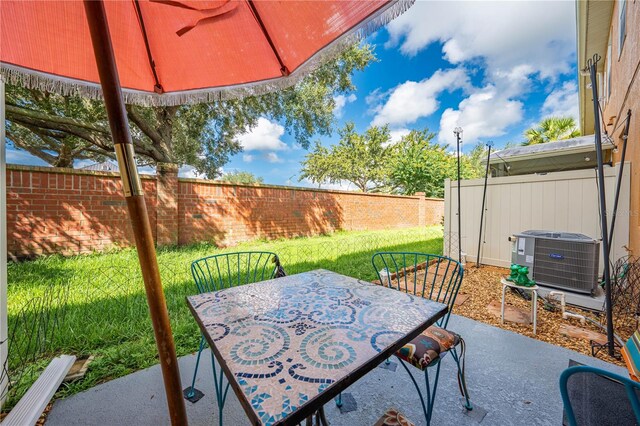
[(64, 86)]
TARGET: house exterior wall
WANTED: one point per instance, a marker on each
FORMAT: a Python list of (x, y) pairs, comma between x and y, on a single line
[(561, 201), (624, 95), (69, 211)]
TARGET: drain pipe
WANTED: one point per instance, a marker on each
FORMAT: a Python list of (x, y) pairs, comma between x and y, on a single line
[(565, 314)]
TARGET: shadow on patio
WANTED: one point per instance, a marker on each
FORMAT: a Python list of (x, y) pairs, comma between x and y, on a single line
[(512, 377)]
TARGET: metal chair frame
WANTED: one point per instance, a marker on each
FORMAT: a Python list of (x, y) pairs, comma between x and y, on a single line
[(220, 271), (630, 387), (445, 290)]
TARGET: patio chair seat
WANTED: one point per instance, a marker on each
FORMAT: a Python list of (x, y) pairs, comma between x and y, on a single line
[(427, 347), (432, 277)]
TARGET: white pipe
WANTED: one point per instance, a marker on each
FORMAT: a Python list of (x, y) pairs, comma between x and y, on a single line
[(565, 314), (3, 246)]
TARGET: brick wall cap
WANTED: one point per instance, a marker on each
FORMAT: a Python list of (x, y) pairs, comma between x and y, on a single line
[(68, 171), (300, 188)]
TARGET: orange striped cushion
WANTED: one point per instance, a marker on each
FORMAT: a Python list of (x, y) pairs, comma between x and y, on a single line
[(631, 355)]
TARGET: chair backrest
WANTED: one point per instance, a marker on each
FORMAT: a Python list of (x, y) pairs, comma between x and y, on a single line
[(426, 275), (226, 270), (616, 404)]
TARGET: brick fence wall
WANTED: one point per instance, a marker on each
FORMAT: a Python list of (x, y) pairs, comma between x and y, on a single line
[(73, 211)]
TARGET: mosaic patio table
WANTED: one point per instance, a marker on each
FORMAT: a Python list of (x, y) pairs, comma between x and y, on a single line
[(289, 345)]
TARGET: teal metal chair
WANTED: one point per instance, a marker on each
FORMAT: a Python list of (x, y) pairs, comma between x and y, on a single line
[(436, 278), (227, 270), (616, 411)]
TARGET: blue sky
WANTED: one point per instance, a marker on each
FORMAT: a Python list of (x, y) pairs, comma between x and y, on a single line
[(492, 68)]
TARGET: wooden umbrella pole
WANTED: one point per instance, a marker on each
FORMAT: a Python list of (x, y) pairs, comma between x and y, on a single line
[(118, 122)]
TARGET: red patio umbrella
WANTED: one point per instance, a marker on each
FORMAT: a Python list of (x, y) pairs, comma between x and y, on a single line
[(170, 52)]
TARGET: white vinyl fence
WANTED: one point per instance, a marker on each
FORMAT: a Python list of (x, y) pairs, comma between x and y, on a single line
[(560, 201)]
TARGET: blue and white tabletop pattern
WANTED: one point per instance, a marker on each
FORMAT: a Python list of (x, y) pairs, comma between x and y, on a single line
[(286, 340)]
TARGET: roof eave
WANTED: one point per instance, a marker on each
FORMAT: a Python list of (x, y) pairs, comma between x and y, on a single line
[(593, 20), (606, 145)]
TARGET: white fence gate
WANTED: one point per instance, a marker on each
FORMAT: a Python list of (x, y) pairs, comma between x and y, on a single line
[(560, 201)]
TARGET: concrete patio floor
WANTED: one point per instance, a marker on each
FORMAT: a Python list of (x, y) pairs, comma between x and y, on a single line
[(513, 377)]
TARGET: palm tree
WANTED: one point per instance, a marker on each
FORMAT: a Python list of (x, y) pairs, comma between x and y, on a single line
[(552, 129)]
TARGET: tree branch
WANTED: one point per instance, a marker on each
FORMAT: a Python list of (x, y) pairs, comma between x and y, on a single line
[(55, 120), (29, 118), (153, 134), (18, 142), (97, 136)]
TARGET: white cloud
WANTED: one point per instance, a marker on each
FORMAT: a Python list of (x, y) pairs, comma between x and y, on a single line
[(341, 101), (272, 157), (485, 113), (512, 82), (513, 42), (265, 136), (397, 134), (247, 158), (189, 172), (562, 102), (375, 97), (340, 186), (147, 170), (412, 100), (505, 34)]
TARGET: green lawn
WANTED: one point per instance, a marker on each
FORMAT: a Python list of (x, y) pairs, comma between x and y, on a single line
[(95, 304)]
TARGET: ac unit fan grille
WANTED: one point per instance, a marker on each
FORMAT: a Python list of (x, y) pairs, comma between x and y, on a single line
[(565, 264)]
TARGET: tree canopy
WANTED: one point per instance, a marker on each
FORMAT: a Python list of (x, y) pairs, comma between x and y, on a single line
[(372, 162), (241, 178), (418, 164), (551, 129), (61, 129), (357, 158)]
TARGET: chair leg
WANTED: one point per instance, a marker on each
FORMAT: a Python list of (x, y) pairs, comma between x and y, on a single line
[(339, 400), (427, 407), (432, 397), (192, 390), (322, 419), (218, 381), (462, 382)]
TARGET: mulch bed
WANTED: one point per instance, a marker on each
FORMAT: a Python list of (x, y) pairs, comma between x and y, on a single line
[(481, 287)]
